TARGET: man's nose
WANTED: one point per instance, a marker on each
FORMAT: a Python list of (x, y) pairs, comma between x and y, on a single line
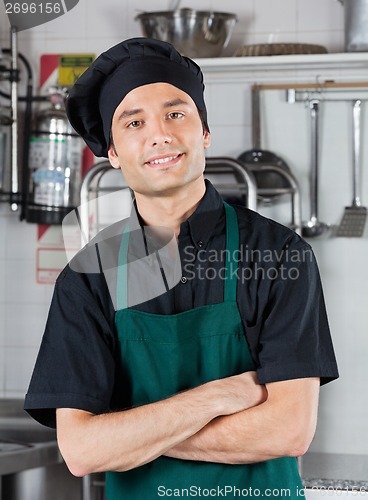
[(159, 133)]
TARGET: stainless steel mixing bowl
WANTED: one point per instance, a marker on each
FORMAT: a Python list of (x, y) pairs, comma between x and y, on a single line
[(193, 33)]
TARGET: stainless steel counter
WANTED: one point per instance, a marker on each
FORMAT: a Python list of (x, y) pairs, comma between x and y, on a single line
[(31, 465), (24, 443), (29, 457), (335, 470)]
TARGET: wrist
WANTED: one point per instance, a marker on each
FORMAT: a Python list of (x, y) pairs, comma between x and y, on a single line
[(210, 398), (215, 395)]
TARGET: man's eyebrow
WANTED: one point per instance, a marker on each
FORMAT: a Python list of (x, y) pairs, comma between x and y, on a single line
[(167, 104), (175, 102), (129, 112)]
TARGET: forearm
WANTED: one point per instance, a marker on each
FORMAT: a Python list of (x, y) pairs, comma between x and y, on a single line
[(235, 439), (278, 427), (127, 439), (124, 440)]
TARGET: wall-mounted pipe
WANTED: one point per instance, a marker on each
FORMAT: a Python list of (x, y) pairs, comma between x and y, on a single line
[(14, 115)]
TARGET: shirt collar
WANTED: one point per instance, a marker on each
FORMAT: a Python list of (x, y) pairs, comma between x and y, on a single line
[(201, 224), (203, 221)]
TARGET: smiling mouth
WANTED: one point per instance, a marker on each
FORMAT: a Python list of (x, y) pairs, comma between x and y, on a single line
[(164, 161)]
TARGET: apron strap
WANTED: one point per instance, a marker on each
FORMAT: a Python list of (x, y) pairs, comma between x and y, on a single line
[(232, 249), (122, 274)]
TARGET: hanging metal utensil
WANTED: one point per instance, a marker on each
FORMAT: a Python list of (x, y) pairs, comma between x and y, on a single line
[(313, 227), (257, 158), (354, 218)]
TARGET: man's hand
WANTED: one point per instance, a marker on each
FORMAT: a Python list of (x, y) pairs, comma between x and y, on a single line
[(240, 392), (127, 439)]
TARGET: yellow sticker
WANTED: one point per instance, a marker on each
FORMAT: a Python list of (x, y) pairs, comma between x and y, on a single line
[(71, 66)]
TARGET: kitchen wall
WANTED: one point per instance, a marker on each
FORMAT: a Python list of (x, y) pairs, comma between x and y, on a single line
[(93, 26)]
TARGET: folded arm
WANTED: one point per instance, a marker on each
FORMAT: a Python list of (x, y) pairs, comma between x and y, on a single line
[(283, 425), (127, 439)]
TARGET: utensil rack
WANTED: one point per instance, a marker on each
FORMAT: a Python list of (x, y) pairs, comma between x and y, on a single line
[(328, 90)]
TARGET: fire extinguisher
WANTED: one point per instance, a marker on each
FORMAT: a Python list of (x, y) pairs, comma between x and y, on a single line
[(55, 163)]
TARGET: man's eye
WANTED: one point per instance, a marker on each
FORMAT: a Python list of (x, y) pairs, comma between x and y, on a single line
[(175, 115), (134, 124)]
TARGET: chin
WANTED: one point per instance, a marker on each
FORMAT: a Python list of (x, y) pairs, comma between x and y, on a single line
[(167, 183)]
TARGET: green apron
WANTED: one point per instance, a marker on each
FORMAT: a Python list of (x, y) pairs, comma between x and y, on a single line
[(162, 355)]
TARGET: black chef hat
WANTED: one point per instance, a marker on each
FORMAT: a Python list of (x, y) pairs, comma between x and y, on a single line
[(101, 88)]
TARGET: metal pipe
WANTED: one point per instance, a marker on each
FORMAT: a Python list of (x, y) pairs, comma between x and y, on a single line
[(27, 124), (243, 171), (294, 190), (86, 487), (84, 198), (314, 107), (356, 154), (256, 118), (14, 112)]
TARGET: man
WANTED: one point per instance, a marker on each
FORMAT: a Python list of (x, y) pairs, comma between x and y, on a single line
[(210, 388)]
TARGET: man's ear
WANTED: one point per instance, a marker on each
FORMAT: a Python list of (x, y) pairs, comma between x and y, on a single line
[(113, 157), (206, 139)]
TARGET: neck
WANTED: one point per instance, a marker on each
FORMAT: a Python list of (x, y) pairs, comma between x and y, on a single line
[(172, 209)]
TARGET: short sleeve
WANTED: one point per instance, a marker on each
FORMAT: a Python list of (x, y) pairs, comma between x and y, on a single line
[(75, 364), (294, 336)]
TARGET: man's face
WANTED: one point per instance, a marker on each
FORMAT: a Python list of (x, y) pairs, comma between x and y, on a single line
[(158, 139)]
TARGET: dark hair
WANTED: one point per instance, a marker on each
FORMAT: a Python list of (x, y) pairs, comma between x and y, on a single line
[(203, 117)]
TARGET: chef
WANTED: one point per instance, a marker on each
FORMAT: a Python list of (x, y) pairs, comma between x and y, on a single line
[(210, 387)]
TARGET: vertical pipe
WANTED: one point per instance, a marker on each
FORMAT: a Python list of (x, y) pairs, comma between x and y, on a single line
[(314, 108), (86, 486), (256, 118), (356, 153), (26, 136), (14, 112)]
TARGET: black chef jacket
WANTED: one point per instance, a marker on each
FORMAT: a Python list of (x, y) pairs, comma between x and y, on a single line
[(279, 296)]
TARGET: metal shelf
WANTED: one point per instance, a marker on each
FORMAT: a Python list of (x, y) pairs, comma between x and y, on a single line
[(351, 60)]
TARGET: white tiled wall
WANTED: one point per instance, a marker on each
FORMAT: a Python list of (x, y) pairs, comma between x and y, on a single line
[(23, 303), (93, 26)]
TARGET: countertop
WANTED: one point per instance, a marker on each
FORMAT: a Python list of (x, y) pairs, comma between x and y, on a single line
[(24, 443), (335, 471), (29, 457)]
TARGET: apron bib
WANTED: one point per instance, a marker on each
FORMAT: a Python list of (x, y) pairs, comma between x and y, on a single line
[(162, 355)]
